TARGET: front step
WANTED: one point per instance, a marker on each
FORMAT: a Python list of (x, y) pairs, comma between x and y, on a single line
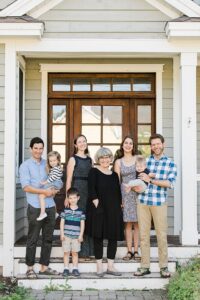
[(90, 266), (91, 281)]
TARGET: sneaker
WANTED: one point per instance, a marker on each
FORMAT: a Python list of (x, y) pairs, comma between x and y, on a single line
[(56, 216), (142, 272), (75, 272), (42, 216), (164, 273), (65, 273)]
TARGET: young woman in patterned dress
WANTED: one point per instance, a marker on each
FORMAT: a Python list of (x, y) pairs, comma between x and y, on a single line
[(124, 166)]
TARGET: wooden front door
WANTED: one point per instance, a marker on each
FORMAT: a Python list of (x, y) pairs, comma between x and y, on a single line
[(103, 107)]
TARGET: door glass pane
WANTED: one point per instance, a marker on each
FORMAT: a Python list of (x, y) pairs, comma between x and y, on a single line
[(121, 84), (59, 114), (101, 84), (112, 134), (93, 150), (61, 85), (144, 113), (91, 114), (58, 134), (144, 150), (113, 148), (61, 149), (144, 133), (92, 133), (81, 85), (141, 85), (112, 114)]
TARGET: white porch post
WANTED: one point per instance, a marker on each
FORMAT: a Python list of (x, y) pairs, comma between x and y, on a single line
[(188, 62), (177, 142), (9, 159)]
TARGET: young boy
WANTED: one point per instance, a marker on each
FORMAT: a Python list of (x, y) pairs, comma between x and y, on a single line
[(72, 227), (141, 167)]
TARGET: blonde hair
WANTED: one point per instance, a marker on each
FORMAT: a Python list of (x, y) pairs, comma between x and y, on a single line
[(102, 152), (140, 159), (50, 154)]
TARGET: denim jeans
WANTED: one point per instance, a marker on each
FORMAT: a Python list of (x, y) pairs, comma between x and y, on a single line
[(34, 228)]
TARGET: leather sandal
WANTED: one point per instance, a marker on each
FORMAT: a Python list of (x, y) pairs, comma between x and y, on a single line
[(136, 255), (128, 256), (31, 274)]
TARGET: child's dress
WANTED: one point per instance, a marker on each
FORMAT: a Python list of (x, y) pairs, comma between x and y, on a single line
[(129, 200)]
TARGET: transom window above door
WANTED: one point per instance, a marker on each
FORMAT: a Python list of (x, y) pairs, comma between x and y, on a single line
[(103, 107), (135, 83)]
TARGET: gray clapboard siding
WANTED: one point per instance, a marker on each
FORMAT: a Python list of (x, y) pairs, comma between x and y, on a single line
[(33, 98), (2, 83), (198, 146), (104, 19)]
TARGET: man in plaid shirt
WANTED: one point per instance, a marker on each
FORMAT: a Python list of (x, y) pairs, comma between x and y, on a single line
[(152, 204)]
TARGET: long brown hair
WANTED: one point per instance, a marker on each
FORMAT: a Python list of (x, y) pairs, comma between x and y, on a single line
[(120, 152), (75, 143)]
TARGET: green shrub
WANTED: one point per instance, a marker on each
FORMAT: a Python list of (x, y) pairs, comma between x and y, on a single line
[(185, 284)]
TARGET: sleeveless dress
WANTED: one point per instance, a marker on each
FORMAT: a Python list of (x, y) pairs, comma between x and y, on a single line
[(129, 200), (80, 182)]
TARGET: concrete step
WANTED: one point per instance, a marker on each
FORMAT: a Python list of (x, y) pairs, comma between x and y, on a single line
[(90, 266), (91, 281), (178, 252)]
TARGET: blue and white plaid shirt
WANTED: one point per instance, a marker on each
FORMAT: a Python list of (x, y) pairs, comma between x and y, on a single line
[(164, 169)]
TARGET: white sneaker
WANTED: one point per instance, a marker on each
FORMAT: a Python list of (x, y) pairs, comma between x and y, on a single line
[(41, 217), (56, 215)]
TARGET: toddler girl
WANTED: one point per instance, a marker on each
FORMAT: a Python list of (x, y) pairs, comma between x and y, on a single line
[(54, 180)]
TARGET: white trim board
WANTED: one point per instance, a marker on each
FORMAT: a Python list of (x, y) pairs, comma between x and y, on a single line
[(187, 7), (9, 159), (101, 47), (165, 9), (95, 68), (19, 7), (42, 9), (22, 29)]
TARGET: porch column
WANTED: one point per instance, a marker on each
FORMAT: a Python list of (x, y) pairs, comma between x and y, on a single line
[(188, 63), (9, 159)]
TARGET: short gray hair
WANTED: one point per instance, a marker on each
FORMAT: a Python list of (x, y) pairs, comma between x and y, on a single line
[(102, 152)]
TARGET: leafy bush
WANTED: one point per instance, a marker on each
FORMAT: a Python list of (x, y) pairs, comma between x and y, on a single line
[(10, 291), (185, 284)]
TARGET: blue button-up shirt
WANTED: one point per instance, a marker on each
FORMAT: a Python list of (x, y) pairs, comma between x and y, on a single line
[(32, 173), (164, 169)]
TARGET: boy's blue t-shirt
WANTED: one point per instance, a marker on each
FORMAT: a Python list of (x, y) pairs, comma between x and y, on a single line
[(73, 220)]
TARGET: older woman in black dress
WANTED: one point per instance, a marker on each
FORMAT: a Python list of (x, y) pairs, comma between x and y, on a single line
[(104, 217)]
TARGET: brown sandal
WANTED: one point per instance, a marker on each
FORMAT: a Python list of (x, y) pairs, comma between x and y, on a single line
[(128, 256), (31, 274), (136, 255)]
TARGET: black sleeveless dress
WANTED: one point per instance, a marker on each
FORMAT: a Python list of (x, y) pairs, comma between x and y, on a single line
[(80, 182)]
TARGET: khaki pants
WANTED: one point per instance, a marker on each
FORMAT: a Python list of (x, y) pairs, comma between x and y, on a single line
[(159, 215)]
